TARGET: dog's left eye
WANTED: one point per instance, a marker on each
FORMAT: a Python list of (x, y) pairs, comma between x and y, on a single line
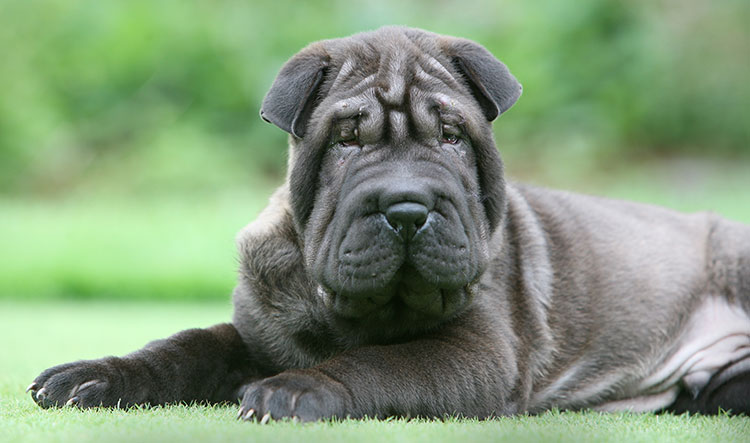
[(450, 139), (451, 135)]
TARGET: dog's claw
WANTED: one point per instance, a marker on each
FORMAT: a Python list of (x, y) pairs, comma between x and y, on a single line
[(72, 401), (41, 394), (247, 415), (32, 387), (265, 418)]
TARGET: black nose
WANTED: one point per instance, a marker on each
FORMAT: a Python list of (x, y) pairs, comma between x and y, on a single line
[(406, 218)]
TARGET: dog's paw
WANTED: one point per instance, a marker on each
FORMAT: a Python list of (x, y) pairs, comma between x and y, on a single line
[(304, 395), (85, 384)]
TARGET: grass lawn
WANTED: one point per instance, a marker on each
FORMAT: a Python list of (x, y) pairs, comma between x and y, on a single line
[(35, 335), (114, 247)]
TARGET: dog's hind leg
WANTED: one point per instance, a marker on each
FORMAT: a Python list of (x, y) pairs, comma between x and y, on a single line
[(728, 390), (728, 387)]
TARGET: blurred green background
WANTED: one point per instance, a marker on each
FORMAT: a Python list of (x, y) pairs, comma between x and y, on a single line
[(131, 150)]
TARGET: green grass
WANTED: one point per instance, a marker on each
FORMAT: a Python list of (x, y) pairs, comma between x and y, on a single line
[(117, 247), (34, 336)]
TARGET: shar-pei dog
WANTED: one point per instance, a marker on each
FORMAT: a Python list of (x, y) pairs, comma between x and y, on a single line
[(396, 272)]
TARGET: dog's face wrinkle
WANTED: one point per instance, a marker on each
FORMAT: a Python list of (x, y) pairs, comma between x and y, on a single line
[(358, 176), (421, 73)]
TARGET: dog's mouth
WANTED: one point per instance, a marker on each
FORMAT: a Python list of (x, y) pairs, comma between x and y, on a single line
[(408, 296), (379, 272)]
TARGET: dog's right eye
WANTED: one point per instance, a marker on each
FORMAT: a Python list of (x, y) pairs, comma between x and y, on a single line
[(450, 139), (347, 138)]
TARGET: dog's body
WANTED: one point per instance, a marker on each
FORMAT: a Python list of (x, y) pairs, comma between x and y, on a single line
[(396, 273)]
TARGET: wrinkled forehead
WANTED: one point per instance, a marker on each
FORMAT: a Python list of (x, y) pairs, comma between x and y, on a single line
[(395, 90), (393, 74)]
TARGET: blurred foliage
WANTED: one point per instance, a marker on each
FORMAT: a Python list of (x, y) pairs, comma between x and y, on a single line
[(103, 101), (157, 94)]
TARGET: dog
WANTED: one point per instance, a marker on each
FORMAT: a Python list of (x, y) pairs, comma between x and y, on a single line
[(396, 273)]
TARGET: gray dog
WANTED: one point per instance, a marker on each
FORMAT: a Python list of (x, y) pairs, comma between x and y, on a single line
[(396, 274)]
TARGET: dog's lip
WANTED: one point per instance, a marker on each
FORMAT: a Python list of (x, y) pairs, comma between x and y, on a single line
[(447, 305), (329, 296)]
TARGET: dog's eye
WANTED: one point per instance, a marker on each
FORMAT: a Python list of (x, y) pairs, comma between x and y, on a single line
[(348, 137), (451, 135), (450, 139)]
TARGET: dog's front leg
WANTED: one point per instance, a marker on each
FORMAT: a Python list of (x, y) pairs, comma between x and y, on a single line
[(454, 372), (192, 365)]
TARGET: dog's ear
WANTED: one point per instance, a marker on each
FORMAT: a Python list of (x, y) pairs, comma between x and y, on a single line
[(490, 81), (292, 97)]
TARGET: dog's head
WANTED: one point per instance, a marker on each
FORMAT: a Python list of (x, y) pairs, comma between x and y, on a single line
[(395, 182)]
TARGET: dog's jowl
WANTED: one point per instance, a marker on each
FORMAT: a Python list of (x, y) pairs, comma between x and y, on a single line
[(396, 273)]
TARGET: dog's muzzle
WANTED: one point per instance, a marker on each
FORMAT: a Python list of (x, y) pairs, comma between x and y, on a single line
[(406, 246)]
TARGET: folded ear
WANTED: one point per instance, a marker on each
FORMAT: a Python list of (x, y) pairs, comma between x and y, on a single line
[(490, 81), (292, 97)]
